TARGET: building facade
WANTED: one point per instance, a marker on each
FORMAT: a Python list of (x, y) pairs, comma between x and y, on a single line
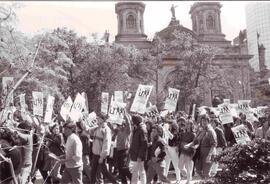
[(232, 64), (258, 31)]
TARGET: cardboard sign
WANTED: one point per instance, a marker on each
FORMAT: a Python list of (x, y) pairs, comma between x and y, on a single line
[(171, 99), (22, 102), (37, 103), (85, 107), (225, 113), (260, 111), (7, 84), (152, 112), (244, 107), (49, 109), (240, 134), (116, 112), (90, 120), (104, 102), (140, 101), (77, 107), (119, 96), (65, 108)]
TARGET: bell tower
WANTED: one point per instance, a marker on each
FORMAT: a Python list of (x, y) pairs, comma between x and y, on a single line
[(206, 22), (131, 24)]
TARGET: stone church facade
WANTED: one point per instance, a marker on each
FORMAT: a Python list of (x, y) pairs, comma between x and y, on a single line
[(232, 65)]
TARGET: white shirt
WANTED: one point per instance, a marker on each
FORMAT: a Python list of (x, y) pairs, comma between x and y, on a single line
[(74, 151)]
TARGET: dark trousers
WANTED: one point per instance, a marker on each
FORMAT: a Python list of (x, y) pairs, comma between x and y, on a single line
[(96, 168), (122, 165)]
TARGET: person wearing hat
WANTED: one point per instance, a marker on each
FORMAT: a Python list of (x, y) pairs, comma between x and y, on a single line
[(73, 156), (138, 150)]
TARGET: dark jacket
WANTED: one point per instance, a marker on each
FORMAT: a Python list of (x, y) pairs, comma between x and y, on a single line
[(158, 144), (221, 141), (138, 147)]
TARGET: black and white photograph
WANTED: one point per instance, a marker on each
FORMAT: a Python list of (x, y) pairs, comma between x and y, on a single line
[(134, 92)]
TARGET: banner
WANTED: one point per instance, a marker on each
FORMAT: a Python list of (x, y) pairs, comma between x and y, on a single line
[(104, 102), (225, 113), (152, 112), (22, 102), (65, 108), (37, 103), (77, 107), (240, 134), (119, 96), (116, 112), (7, 84), (49, 109), (171, 99), (141, 98)]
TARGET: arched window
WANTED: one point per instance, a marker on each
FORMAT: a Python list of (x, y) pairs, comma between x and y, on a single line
[(131, 22), (210, 23)]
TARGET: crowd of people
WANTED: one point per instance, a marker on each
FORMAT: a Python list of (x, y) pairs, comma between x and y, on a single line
[(138, 149)]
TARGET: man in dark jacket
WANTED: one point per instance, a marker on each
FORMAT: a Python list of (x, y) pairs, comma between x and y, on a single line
[(138, 150)]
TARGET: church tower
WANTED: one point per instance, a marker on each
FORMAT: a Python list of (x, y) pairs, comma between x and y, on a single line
[(131, 24), (206, 22)]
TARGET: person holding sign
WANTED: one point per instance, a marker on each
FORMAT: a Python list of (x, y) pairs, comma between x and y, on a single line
[(138, 150), (207, 140), (102, 141), (123, 133)]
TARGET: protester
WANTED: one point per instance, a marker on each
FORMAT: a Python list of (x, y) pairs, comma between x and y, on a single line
[(122, 147), (138, 150), (186, 149), (102, 139), (157, 163), (207, 139), (263, 132), (73, 157)]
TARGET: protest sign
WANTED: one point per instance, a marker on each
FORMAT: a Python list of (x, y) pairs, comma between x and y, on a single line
[(37, 103), (118, 96), (85, 107), (65, 108), (141, 98), (22, 102), (116, 112), (240, 134), (244, 107), (104, 102), (49, 109), (171, 99), (7, 84), (90, 120), (261, 111), (225, 113), (77, 107), (152, 112)]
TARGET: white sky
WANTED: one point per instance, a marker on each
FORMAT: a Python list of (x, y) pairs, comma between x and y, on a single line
[(86, 17)]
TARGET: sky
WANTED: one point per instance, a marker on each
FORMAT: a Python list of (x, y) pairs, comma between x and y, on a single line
[(87, 17)]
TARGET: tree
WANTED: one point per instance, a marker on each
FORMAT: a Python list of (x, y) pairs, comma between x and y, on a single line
[(195, 59)]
